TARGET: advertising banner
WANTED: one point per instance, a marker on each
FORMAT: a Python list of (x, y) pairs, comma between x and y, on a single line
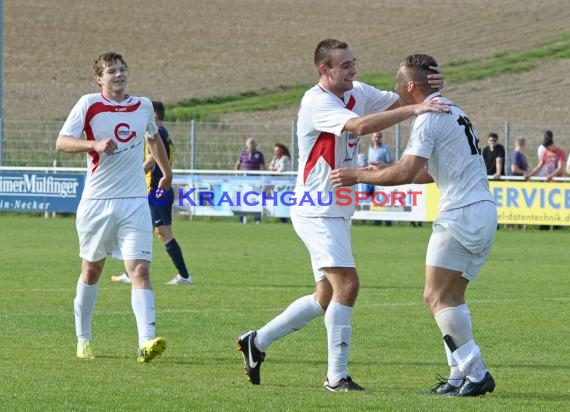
[(532, 203), (40, 192), (227, 194)]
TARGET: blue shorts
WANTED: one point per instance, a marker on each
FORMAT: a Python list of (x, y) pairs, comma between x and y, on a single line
[(162, 214)]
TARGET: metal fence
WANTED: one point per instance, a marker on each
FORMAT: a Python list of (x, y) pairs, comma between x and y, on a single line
[(215, 145)]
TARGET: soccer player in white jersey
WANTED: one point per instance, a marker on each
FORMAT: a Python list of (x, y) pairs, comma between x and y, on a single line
[(113, 215), (444, 148), (332, 116)]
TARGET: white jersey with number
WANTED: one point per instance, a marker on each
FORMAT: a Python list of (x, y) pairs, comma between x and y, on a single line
[(119, 175), (323, 146), (455, 163)]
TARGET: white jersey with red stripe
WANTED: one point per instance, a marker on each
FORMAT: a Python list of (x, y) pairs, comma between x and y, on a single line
[(323, 146), (120, 175), (455, 163)]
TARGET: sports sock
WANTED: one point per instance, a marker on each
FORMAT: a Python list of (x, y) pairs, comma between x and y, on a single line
[(83, 308), (455, 322), (142, 301), (339, 332), (455, 375), (470, 362), (175, 253), (296, 316)]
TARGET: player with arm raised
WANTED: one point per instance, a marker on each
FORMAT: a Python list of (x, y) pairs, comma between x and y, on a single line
[(332, 116)]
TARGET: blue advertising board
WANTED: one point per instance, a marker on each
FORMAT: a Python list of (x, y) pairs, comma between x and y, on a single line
[(40, 192)]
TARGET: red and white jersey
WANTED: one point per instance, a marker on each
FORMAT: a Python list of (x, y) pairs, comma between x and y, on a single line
[(324, 146), (455, 163), (121, 174)]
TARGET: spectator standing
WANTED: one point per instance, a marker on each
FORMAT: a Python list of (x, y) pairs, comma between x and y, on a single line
[(519, 162), (250, 159), (161, 210), (281, 161), (494, 157), (550, 165), (379, 154), (113, 216), (548, 134)]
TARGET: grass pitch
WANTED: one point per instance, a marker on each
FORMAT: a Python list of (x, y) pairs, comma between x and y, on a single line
[(246, 274)]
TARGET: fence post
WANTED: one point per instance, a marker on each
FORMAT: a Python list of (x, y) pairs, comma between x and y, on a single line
[(1, 140), (192, 144), (507, 132), (293, 145), (397, 138)]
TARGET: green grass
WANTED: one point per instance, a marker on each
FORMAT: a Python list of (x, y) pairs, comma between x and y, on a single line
[(211, 108), (246, 274)]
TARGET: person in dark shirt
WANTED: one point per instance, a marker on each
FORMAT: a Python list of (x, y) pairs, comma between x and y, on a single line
[(494, 156), (161, 211)]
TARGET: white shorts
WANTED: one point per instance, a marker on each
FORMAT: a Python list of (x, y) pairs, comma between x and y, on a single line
[(462, 238), (328, 241), (121, 227)]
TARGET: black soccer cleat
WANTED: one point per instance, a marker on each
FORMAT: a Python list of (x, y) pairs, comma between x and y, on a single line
[(252, 357), (344, 385), (469, 388), (443, 387)]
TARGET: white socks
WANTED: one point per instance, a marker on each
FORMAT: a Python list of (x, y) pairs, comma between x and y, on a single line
[(83, 307), (466, 360), (338, 324), (469, 361), (295, 317), (455, 322), (142, 301), (338, 319)]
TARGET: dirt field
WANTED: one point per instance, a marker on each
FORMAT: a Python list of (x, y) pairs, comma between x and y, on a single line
[(177, 49)]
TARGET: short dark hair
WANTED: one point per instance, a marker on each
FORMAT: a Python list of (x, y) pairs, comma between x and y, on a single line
[(158, 109), (548, 138), (493, 135), (323, 51), (419, 65)]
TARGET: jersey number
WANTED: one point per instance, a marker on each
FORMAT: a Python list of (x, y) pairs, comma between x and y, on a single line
[(472, 138)]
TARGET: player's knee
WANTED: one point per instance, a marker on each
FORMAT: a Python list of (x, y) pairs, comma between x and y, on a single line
[(350, 289), (91, 273), (430, 299)]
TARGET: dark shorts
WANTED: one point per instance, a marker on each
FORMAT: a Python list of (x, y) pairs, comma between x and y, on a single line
[(162, 215)]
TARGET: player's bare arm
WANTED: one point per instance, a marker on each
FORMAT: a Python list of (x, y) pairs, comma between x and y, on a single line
[(149, 163), (423, 177), (158, 152), (70, 144), (380, 121), (403, 172)]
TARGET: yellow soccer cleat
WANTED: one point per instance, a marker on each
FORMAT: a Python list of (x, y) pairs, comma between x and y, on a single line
[(151, 350), (85, 350)]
